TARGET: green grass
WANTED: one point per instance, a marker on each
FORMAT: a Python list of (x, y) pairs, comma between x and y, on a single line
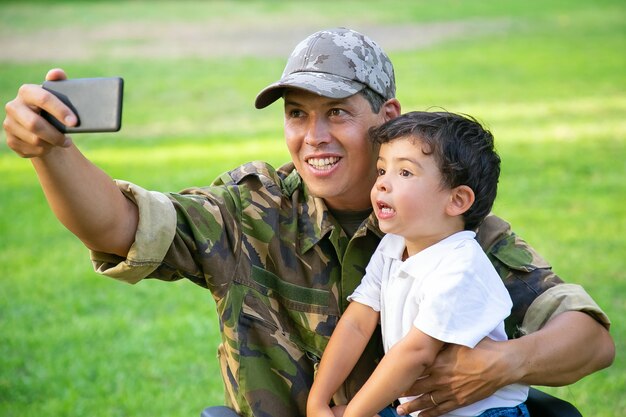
[(551, 85)]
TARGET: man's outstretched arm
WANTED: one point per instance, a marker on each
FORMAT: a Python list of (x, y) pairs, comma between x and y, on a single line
[(82, 196)]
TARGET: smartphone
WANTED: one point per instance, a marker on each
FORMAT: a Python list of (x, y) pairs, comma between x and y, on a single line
[(97, 102)]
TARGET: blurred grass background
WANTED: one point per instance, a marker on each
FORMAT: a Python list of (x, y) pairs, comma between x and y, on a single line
[(548, 78)]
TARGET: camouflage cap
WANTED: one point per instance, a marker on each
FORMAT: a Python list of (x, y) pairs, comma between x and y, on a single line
[(334, 63)]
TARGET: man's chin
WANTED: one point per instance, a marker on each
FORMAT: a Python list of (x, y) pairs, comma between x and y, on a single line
[(323, 192)]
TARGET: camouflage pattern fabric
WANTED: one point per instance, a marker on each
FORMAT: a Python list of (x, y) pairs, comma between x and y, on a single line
[(335, 63), (280, 268)]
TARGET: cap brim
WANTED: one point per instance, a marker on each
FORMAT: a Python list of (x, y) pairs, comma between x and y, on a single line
[(326, 85)]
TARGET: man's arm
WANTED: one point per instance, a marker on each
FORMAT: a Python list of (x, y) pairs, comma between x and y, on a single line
[(563, 343), (348, 341), (405, 362), (83, 197), (569, 347)]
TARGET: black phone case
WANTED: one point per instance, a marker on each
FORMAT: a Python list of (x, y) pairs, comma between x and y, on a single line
[(97, 102)]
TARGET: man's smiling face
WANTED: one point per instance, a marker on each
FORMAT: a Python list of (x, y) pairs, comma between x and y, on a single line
[(328, 143)]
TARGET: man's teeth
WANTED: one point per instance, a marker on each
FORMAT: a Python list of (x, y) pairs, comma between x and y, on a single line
[(323, 163)]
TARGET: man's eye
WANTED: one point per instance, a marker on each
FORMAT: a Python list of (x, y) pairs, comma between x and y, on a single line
[(294, 113), (336, 112)]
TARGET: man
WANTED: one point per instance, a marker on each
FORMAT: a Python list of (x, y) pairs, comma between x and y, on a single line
[(281, 249)]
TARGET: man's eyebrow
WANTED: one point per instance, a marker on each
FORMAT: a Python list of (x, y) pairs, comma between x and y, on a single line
[(291, 102), (337, 102)]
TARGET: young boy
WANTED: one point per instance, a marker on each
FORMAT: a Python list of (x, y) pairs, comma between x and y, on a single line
[(429, 283)]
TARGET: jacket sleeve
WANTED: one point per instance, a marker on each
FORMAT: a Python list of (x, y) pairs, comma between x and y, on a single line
[(155, 232), (538, 294)]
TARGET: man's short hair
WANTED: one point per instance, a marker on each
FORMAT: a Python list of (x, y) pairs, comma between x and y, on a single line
[(463, 149), (375, 100)]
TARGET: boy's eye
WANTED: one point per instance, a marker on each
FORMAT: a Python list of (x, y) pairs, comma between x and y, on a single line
[(380, 171), (405, 173)]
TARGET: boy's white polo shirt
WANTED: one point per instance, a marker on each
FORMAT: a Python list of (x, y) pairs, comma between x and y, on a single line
[(449, 291)]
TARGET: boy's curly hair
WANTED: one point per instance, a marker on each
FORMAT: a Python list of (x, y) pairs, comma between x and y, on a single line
[(463, 149)]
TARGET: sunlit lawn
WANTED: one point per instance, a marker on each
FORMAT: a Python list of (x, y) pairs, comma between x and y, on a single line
[(552, 87)]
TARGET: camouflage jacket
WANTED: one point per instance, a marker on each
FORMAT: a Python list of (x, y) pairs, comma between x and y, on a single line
[(280, 267)]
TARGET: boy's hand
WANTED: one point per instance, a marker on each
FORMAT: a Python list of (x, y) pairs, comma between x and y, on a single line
[(322, 410)]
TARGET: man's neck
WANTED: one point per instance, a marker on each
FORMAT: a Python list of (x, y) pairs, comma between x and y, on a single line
[(350, 220)]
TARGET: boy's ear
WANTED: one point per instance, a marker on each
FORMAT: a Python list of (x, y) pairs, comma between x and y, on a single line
[(461, 199)]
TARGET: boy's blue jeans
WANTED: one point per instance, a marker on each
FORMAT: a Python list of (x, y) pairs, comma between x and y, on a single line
[(388, 412), (519, 411)]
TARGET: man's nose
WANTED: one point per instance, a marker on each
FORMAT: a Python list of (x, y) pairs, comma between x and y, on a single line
[(317, 132)]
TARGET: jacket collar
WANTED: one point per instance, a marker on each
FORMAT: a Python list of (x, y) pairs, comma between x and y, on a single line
[(315, 221)]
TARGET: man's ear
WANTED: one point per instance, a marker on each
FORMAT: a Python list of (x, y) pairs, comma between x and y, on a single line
[(391, 109), (461, 199)]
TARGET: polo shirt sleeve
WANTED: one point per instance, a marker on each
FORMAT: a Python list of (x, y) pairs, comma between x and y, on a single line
[(155, 233), (368, 291)]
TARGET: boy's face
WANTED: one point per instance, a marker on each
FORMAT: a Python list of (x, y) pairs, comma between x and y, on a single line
[(328, 142), (408, 197)]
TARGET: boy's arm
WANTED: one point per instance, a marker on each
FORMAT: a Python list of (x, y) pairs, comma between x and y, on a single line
[(400, 367), (348, 341)]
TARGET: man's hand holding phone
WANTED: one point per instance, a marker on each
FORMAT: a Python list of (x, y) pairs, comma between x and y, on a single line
[(81, 195), (28, 131)]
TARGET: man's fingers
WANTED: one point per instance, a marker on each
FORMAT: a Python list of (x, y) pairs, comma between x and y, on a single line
[(427, 407), (37, 99), (24, 121), (29, 135), (420, 403), (441, 409), (26, 149), (62, 113), (56, 74)]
